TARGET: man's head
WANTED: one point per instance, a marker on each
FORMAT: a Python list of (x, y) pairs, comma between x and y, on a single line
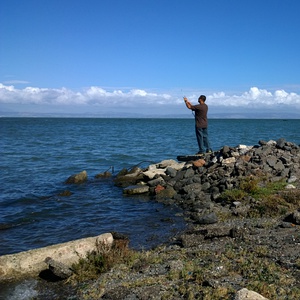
[(202, 99)]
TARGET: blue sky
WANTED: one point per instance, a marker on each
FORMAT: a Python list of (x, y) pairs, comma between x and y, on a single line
[(139, 57)]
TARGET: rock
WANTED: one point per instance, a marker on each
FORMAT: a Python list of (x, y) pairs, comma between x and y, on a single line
[(166, 194), (77, 178), (136, 189), (171, 172), (192, 188), (226, 151), (199, 163), (293, 218), (271, 143), (170, 163), (280, 143), (290, 187), (271, 161), (292, 179), (31, 263), (156, 181), (159, 188), (208, 219), (65, 193), (150, 174), (125, 178), (189, 173), (103, 175), (296, 217), (134, 172), (245, 294), (262, 142), (59, 269), (228, 161)]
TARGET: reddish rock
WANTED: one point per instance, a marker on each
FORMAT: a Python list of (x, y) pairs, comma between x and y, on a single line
[(199, 163), (159, 188)]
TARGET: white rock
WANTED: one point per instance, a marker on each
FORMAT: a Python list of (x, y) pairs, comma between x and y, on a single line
[(229, 160), (170, 163), (235, 154), (271, 143), (242, 147), (290, 187), (245, 294), (151, 173)]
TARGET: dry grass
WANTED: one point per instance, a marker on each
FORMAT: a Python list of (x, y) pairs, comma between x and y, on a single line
[(102, 260), (272, 199)]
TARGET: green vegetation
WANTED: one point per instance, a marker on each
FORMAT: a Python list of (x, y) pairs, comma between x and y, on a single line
[(265, 198)]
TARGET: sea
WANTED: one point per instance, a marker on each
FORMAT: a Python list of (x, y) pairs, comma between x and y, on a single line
[(39, 154)]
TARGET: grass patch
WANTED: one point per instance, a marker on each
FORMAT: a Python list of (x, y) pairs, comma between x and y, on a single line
[(270, 198), (233, 195), (103, 259)]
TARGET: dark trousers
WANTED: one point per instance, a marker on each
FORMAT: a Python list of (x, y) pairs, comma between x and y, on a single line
[(202, 139)]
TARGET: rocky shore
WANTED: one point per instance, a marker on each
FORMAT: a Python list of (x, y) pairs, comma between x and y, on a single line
[(239, 238), (242, 207)]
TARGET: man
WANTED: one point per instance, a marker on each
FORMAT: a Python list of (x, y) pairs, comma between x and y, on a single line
[(200, 124)]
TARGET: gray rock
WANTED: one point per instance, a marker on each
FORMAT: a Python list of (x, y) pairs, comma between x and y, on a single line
[(296, 217), (192, 188), (189, 173), (58, 268), (156, 181), (262, 142), (281, 143), (271, 161), (171, 171), (292, 179), (208, 219)]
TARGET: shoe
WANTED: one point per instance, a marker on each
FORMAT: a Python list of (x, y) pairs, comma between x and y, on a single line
[(209, 151)]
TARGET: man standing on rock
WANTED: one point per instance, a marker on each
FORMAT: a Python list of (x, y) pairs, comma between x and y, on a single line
[(200, 124)]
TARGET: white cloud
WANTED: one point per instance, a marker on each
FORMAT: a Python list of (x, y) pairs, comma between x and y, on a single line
[(256, 97), (16, 82), (95, 96)]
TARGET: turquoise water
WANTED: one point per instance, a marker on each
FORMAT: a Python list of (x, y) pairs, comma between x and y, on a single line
[(39, 154)]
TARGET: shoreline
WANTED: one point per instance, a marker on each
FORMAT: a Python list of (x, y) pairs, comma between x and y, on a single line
[(230, 233)]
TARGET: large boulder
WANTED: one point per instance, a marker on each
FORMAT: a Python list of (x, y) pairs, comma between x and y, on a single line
[(32, 262)]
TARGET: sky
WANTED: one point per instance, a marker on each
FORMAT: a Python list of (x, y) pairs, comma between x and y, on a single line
[(138, 58)]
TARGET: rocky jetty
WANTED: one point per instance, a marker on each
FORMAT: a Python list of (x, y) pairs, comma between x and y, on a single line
[(197, 185)]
